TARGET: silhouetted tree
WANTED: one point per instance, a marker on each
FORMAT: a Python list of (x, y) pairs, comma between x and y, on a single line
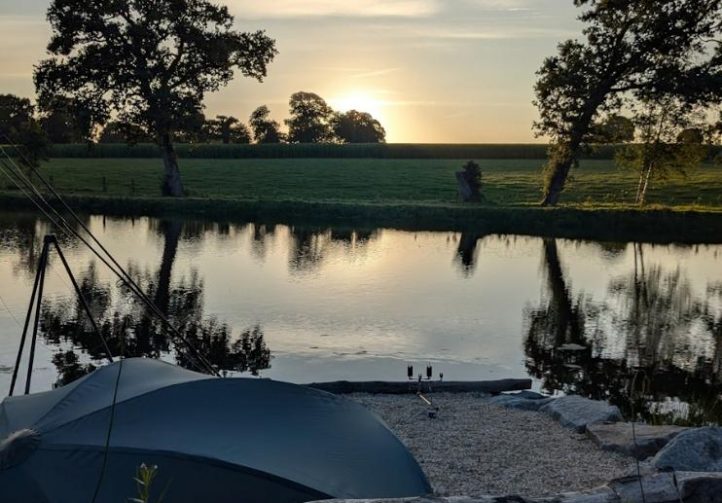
[(358, 127), (121, 132), (68, 121), (228, 130), (311, 119), (629, 46), (265, 130), (614, 129), (19, 128), (150, 62)]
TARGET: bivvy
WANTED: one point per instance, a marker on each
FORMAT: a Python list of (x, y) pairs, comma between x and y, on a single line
[(213, 439)]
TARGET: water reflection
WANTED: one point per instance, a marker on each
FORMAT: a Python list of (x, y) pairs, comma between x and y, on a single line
[(131, 331), (357, 303), (664, 369)]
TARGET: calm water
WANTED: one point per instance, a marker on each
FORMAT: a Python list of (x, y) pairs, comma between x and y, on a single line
[(317, 304)]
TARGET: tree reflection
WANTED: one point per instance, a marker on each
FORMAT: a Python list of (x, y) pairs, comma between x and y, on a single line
[(130, 330), (309, 247), (654, 317), (467, 252)]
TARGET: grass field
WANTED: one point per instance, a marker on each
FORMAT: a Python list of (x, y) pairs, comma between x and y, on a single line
[(507, 183)]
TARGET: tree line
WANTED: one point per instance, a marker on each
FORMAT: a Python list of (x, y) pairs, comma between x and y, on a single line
[(311, 120)]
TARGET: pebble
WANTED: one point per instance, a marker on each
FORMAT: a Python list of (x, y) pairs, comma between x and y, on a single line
[(475, 448)]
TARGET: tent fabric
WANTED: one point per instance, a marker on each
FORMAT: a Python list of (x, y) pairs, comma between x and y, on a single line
[(221, 440)]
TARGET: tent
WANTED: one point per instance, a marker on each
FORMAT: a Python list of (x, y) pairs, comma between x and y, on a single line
[(213, 440)]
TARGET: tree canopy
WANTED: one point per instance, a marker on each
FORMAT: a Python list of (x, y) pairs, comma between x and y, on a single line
[(265, 130), (227, 129), (311, 119), (358, 127), (629, 49), (149, 62)]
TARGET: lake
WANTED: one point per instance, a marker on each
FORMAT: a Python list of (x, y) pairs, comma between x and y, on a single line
[(318, 303)]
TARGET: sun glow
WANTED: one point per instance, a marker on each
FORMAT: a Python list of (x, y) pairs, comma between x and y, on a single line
[(361, 101)]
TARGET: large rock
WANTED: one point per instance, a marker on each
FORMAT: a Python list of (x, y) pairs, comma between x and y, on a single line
[(699, 487), (618, 437), (695, 450), (577, 412)]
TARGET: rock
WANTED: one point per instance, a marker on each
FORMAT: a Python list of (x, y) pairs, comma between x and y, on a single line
[(516, 402), (577, 412), (658, 488), (532, 395), (694, 450), (700, 487), (618, 437), (599, 495)]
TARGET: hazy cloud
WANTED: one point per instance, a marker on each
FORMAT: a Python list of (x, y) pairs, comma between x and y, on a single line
[(339, 8)]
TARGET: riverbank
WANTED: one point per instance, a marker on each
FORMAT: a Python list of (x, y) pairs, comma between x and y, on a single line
[(474, 448), (603, 224), (409, 194)]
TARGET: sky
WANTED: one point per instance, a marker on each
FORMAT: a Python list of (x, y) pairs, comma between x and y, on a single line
[(432, 71)]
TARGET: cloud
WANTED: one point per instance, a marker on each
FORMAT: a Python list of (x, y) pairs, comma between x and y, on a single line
[(337, 8)]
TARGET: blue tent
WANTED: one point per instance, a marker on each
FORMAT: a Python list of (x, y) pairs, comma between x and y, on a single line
[(215, 440)]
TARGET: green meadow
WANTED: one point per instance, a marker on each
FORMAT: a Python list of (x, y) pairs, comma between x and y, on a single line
[(507, 182)]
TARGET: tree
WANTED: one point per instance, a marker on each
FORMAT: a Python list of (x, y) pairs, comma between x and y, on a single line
[(614, 129), (358, 127), (121, 132), (667, 144), (19, 128), (149, 62), (265, 130), (68, 121), (15, 114), (628, 46), (311, 119), (228, 130)]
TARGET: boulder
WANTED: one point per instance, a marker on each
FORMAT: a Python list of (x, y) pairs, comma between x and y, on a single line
[(700, 487), (694, 450), (618, 437), (577, 412), (658, 488)]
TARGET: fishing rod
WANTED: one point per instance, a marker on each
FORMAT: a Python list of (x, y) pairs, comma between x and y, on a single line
[(29, 189)]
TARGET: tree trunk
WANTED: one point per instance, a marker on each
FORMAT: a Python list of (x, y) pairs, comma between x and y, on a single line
[(559, 173), (171, 230), (643, 193), (569, 326), (172, 184)]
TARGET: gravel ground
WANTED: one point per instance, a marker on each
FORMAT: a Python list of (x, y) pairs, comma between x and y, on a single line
[(472, 448)]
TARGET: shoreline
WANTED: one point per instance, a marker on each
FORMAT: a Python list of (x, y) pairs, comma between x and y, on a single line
[(660, 226), (475, 447)]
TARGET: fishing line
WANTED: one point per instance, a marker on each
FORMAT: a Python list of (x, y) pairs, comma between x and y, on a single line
[(119, 272)]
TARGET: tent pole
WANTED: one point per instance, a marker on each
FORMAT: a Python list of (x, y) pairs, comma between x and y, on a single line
[(43, 263), (27, 319)]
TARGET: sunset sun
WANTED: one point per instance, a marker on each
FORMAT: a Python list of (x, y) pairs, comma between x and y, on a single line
[(359, 100)]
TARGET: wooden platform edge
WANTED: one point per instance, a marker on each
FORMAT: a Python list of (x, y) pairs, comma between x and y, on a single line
[(399, 388)]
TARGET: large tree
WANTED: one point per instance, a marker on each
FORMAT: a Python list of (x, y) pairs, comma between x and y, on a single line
[(311, 119), (358, 127), (641, 47), (150, 62)]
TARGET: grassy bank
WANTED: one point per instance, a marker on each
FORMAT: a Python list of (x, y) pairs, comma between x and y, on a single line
[(419, 194), (507, 182)]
